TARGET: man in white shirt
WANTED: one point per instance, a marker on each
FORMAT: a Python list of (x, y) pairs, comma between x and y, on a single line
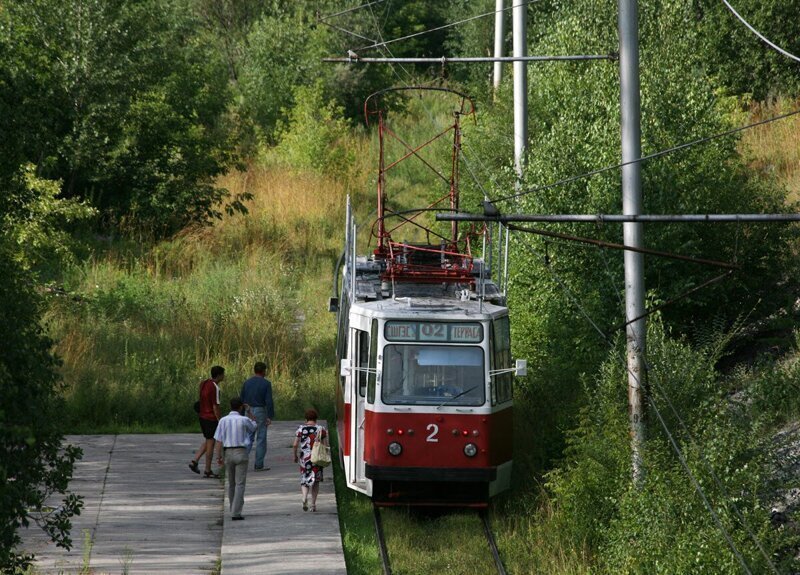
[(232, 433)]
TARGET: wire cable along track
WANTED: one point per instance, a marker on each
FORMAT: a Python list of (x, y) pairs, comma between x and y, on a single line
[(384, 553)]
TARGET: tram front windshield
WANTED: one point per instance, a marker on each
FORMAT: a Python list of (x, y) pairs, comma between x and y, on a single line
[(433, 375)]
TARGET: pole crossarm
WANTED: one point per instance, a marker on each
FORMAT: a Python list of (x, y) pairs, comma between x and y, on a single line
[(619, 218), (466, 59)]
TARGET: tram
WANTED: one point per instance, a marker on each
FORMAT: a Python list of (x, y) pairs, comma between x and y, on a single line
[(424, 401)]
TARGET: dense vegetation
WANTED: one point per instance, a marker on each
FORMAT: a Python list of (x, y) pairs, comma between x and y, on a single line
[(173, 179)]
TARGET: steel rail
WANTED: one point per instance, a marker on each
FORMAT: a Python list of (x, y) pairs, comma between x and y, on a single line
[(376, 515), (487, 530)]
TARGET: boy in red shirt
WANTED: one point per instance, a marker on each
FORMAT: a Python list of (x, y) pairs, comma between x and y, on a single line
[(209, 418)]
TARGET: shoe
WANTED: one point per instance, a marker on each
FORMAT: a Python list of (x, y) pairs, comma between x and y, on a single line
[(210, 475), (305, 506), (237, 518), (314, 508), (193, 466), (261, 469)]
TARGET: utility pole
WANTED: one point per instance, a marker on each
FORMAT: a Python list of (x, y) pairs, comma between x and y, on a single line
[(499, 37), (519, 31), (630, 112)]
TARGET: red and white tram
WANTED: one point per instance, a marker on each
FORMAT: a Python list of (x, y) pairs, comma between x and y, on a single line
[(424, 410)]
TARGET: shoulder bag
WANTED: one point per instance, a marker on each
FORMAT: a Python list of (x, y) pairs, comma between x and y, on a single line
[(320, 453)]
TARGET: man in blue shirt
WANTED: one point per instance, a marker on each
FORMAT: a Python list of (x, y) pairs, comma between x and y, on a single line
[(257, 396), (231, 435)]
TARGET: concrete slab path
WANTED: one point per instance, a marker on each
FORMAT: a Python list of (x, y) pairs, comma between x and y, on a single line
[(146, 513), (277, 537)]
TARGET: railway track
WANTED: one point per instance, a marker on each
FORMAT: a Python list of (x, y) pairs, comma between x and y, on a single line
[(384, 553)]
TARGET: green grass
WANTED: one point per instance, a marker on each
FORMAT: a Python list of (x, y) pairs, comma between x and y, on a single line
[(141, 330)]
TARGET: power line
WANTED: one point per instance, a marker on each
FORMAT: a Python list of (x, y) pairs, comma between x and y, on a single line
[(414, 35), (716, 478), (760, 35), (347, 11), (648, 157), (350, 32)]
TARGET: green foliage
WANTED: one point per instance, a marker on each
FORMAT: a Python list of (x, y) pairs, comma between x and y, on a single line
[(316, 135), (35, 467), (36, 219), (742, 62), (664, 526), (121, 103), (284, 55)]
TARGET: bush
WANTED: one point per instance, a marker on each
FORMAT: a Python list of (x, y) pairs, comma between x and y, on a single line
[(316, 135), (663, 526)]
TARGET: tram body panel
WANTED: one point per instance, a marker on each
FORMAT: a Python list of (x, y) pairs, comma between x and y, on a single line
[(421, 377), (436, 440)]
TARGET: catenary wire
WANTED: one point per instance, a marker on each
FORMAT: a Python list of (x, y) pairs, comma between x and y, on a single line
[(450, 25), (348, 10), (759, 34), (350, 32), (649, 156), (716, 478)]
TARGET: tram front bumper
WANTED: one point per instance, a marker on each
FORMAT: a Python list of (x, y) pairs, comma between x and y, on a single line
[(439, 474)]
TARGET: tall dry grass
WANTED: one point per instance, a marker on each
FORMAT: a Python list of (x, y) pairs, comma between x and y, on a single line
[(774, 148), (145, 328)]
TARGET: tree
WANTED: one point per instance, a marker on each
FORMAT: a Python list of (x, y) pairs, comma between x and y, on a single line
[(34, 465), (123, 103)]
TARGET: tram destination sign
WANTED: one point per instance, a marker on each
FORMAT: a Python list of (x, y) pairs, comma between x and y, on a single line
[(433, 331)]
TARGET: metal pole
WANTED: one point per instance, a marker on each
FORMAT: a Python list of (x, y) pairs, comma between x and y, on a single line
[(443, 60), (519, 32), (618, 218), (499, 36), (632, 231)]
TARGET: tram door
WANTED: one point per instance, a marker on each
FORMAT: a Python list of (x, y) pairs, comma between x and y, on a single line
[(359, 381)]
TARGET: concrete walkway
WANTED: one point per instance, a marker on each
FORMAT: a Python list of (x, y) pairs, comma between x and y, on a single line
[(145, 512), (277, 537)]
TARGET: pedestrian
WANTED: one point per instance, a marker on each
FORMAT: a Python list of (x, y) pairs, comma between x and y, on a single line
[(257, 397), (310, 474), (209, 418), (231, 434)]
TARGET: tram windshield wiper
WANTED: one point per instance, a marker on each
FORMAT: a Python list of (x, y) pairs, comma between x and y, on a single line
[(449, 399)]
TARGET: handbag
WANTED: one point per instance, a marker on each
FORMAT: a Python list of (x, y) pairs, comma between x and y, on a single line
[(320, 453)]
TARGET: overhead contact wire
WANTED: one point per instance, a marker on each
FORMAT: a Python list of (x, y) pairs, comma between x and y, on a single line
[(760, 35), (649, 156), (443, 27)]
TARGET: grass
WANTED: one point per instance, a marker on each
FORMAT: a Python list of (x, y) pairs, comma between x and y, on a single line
[(142, 329), (774, 149)]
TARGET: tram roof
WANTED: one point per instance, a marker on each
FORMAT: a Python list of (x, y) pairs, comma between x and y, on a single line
[(429, 308)]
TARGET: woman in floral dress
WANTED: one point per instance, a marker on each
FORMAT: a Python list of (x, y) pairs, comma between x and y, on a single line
[(310, 474)]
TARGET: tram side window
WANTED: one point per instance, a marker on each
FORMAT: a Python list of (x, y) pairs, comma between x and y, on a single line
[(503, 382), (362, 360)]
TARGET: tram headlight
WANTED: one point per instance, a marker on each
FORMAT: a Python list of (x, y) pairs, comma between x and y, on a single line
[(470, 450), (395, 448)]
